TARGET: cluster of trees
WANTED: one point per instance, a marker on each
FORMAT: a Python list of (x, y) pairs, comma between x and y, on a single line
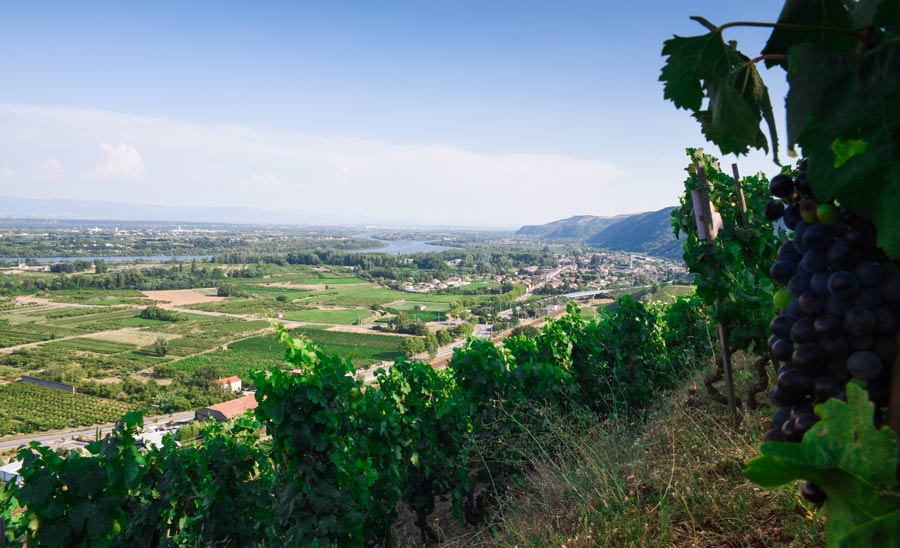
[(179, 276), (154, 312)]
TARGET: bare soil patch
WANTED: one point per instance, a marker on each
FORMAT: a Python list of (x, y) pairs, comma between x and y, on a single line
[(181, 297)]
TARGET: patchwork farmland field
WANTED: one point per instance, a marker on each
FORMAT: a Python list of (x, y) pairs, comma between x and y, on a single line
[(27, 408)]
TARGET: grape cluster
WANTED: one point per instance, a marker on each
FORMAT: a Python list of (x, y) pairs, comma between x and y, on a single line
[(838, 309)]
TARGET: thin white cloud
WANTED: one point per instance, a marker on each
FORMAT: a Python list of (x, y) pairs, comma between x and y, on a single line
[(322, 178), (121, 161), (263, 179), (7, 173), (50, 168)]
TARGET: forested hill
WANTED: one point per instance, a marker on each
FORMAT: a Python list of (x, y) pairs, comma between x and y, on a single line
[(579, 227), (649, 232)]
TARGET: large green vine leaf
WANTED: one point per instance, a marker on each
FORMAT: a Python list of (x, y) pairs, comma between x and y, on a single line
[(705, 66), (852, 461), (824, 15), (842, 98)]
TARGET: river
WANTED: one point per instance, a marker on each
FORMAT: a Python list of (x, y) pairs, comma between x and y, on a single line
[(120, 259), (401, 247)]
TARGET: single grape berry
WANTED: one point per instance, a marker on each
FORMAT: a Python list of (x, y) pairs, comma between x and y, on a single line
[(781, 185)]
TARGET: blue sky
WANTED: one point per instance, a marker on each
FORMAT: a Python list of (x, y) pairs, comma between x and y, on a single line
[(467, 113)]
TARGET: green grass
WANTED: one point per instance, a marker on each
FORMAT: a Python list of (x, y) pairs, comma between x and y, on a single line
[(670, 476), (336, 316), (362, 348)]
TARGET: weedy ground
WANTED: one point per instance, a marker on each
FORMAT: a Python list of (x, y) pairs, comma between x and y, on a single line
[(669, 477)]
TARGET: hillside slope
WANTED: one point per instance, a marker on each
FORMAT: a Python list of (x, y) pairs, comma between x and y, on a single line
[(649, 233), (578, 227)]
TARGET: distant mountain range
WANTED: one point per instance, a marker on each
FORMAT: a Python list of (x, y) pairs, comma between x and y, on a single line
[(649, 232), (25, 208)]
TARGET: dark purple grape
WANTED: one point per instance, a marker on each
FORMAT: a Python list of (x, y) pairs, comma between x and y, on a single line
[(863, 342), (836, 306), (791, 217), (818, 237), (805, 421), (828, 327), (781, 326), (813, 493), (783, 414), (775, 435), (837, 347), (774, 210), (803, 330), (782, 271), (808, 358), (869, 273), (814, 261), (787, 252), (838, 370), (812, 303), (794, 309), (802, 184), (825, 387), (864, 365), (798, 284), (780, 397), (859, 321), (841, 255), (843, 284), (781, 349), (781, 186), (794, 382), (868, 297)]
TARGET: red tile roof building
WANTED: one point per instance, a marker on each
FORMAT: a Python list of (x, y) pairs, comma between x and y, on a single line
[(227, 409)]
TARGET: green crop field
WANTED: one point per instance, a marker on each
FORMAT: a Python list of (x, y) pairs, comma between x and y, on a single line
[(28, 407), (407, 305), (330, 281), (240, 358), (91, 345), (362, 348), (338, 316)]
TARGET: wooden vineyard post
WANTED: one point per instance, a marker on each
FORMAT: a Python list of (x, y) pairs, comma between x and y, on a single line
[(894, 404), (739, 193), (705, 216)]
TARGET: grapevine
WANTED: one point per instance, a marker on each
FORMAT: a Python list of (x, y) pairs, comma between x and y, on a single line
[(836, 333)]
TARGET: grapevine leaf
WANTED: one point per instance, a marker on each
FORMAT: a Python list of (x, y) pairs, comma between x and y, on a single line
[(828, 15), (692, 61), (847, 97), (852, 461), (705, 66), (844, 150), (877, 13)]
